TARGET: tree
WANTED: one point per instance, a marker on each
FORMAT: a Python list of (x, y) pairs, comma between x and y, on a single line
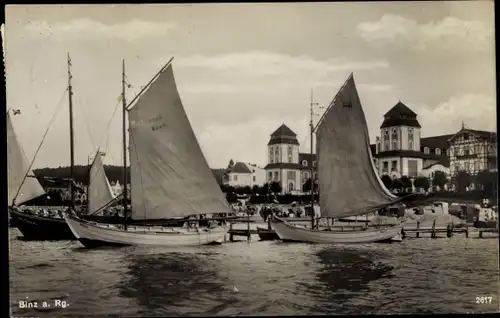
[(422, 182), (275, 187), (462, 181), (306, 187), (487, 180), (264, 189), (388, 183), (439, 179), (255, 189)]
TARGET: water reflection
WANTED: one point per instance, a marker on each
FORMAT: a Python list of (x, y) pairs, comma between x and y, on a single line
[(172, 284), (344, 278)]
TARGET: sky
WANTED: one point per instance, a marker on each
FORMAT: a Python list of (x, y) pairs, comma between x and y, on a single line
[(242, 70)]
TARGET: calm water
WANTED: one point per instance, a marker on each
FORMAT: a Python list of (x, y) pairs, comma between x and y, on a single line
[(259, 278)]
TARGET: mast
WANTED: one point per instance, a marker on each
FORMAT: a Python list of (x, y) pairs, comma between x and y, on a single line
[(311, 125), (124, 129), (71, 136)]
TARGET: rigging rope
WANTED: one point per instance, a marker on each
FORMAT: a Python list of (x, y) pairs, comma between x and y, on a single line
[(58, 108)]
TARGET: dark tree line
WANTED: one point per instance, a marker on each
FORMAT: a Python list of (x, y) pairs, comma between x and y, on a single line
[(81, 174), (485, 181)]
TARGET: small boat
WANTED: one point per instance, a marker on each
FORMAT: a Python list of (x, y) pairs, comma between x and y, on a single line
[(348, 182), (170, 177)]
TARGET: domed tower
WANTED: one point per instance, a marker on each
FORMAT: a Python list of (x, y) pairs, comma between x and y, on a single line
[(399, 143), (283, 159)]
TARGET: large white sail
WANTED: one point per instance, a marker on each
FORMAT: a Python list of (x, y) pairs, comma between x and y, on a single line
[(17, 169), (169, 174), (99, 190), (348, 182)]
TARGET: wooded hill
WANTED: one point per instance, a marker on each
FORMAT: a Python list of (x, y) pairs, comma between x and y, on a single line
[(81, 174)]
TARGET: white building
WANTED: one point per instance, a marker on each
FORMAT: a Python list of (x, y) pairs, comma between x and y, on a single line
[(242, 174), (400, 150), (285, 164)]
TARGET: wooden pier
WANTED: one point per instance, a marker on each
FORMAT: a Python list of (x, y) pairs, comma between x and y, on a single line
[(415, 232)]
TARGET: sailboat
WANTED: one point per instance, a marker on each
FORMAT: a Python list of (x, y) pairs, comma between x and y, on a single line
[(170, 177), (23, 186), (348, 182)]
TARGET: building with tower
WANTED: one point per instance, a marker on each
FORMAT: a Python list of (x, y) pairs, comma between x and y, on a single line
[(400, 150), (285, 164)]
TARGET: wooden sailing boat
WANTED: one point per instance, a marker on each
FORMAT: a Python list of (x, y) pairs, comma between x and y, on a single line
[(348, 182), (170, 177), (38, 227), (24, 187)]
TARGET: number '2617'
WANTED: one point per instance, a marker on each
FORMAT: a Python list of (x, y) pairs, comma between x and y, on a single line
[(484, 300)]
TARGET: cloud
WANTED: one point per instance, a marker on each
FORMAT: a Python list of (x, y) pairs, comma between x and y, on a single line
[(260, 63), (446, 33), (475, 110), (79, 29)]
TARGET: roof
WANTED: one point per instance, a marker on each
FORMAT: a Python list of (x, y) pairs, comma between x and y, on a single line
[(283, 165), (400, 115), (444, 161), (434, 142), (400, 109), (283, 135), (239, 167), (283, 131), (482, 134)]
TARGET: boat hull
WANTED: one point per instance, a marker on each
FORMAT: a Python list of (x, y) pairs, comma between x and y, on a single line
[(40, 228), (92, 234), (291, 233)]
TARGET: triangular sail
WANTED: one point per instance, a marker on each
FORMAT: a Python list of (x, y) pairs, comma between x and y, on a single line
[(169, 174), (348, 182), (17, 169), (99, 190)]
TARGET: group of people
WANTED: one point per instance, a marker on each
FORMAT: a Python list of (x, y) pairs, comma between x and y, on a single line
[(48, 212)]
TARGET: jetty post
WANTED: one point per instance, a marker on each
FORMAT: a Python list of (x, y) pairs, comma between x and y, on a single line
[(433, 233), (418, 228)]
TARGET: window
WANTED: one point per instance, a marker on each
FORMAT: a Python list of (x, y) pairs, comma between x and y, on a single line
[(466, 152), (466, 166), (394, 166), (437, 151), (426, 150), (386, 146), (314, 163), (290, 154), (410, 145), (270, 176), (290, 187), (253, 178), (410, 130), (276, 176), (271, 155), (315, 176), (394, 131), (477, 166), (466, 136), (394, 145), (235, 178), (448, 152), (304, 163), (457, 168), (289, 175), (386, 166), (386, 132), (477, 149), (306, 175)]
